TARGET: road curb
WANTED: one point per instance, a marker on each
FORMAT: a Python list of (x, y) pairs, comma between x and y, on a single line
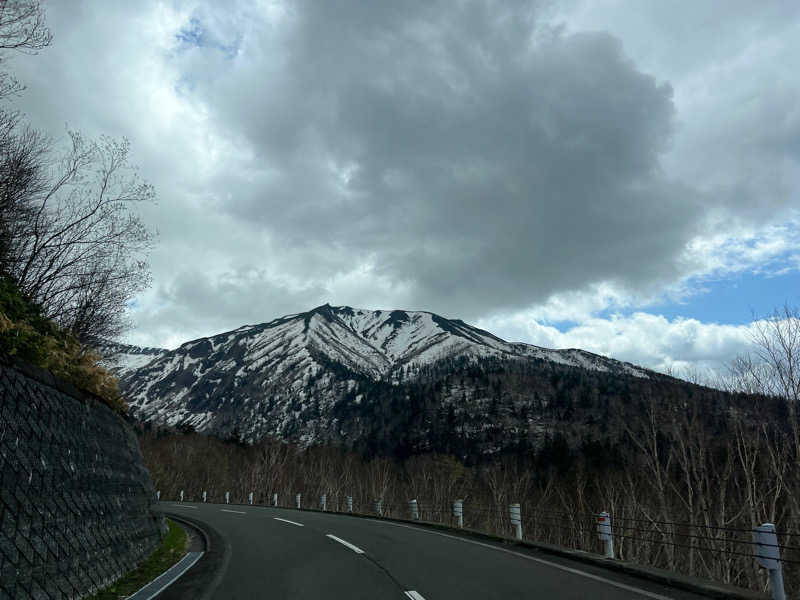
[(158, 585), (202, 579)]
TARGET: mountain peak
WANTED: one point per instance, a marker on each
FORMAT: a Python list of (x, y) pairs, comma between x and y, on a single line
[(326, 311), (261, 377)]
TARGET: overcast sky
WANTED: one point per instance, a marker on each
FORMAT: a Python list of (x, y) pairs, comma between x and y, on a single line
[(619, 176)]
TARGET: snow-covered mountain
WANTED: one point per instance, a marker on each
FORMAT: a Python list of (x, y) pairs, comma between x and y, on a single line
[(123, 359), (319, 375)]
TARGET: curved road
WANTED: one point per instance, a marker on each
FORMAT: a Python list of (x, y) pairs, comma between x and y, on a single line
[(273, 553)]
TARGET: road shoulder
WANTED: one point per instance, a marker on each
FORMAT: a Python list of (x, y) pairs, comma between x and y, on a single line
[(200, 581)]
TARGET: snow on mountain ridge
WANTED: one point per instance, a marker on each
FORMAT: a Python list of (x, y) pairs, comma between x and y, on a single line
[(373, 342), (400, 336), (259, 379), (304, 376), (122, 359)]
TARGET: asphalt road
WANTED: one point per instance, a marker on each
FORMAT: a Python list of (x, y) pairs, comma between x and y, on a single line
[(271, 553)]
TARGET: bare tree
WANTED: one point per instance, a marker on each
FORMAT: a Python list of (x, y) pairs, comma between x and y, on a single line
[(68, 235), (777, 348), (22, 28), (773, 368), (82, 253), (23, 154)]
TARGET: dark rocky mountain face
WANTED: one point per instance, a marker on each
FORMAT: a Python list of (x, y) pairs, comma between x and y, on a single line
[(381, 382)]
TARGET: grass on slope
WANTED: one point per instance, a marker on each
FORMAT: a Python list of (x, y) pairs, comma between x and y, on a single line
[(171, 550), (29, 336)]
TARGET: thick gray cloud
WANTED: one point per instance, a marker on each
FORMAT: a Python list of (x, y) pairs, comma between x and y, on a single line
[(489, 159), (472, 158)]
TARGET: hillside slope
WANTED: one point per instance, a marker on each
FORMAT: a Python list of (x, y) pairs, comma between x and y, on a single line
[(317, 376)]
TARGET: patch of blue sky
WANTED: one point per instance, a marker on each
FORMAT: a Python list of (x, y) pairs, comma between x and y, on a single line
[(184, 85), (196, 35), (730, 300), (736, 300), (193, 34)]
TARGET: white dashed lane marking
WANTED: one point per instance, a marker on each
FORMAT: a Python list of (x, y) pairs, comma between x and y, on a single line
[(288, 521), (355, 549)]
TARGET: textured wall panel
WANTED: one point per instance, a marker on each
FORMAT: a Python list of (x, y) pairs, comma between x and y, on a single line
[(74, 494)]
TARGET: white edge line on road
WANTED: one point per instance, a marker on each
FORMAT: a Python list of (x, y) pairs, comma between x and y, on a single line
[(288, 521), (355, 549), (414, 595), (533, 558), (238, 512), (183, 506), (176, 570)]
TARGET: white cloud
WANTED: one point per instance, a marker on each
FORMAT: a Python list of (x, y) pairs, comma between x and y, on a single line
[(390, 155), (645, 339)]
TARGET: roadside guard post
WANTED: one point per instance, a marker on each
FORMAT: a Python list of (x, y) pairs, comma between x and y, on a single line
[(181, 495), (205, 495), (379, 507), (324, 502), (227, 497), (604, 533), (413, 509), (251, 497), (349, 504), (297, 500), (458, 512), (158, 495), (516, 519), (274, 499), (768, 556)]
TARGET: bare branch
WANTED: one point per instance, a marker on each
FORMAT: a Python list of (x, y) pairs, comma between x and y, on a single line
[(81, 252)]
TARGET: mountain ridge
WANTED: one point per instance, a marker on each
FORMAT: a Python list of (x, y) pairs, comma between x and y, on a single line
[(289, 377), (456, 327)]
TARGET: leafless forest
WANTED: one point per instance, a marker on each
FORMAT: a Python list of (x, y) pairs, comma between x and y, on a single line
[(684, 491)]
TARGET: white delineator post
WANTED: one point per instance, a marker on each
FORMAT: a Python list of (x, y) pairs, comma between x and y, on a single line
[(227, 497), (181, 495), (379, 507), (349, 504), (324, 502), (251, 497), (768, 556), (274, 499), (604, 533), (413, 509), (516, 519), (297, 500), (205, 495), (458, 512), (158, 495)]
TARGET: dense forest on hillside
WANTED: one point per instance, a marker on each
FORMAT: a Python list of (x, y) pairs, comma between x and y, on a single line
[(472, 409)]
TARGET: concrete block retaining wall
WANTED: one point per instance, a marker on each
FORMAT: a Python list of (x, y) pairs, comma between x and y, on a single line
[(75, 496)]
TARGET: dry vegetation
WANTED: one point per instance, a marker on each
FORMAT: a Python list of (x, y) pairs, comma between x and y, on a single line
[(27, 335), (678, 497), (686, 479)]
